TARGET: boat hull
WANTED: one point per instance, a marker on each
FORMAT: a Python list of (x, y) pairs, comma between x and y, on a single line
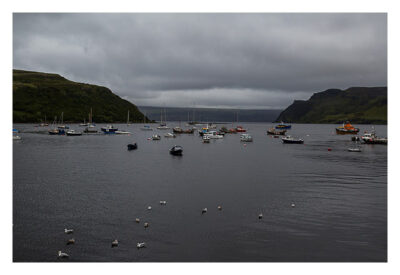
[(341, 131), (295, 141)]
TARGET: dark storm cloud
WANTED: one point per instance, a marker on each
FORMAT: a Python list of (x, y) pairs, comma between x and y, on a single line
[(242, 60)]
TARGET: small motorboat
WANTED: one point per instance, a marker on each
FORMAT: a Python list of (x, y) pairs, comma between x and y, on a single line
[(132, 146), (240, 129), (372, 138), (109, 129), (146, 224), (204, 210), (16, 138), (137, 220), (206, 139), (56, 132), (114, 243), (283, 126), (170, 135), (246, 138), (219, 207), (141, 245), (90, 129), (163, 202), (119, 132), (213, 135), (188, 131), (73, 133), (289, 139), (156, 137), (177, 130), (62, 254), (355, 149), (148, 207), (260, 216), (346, 129), (68, 231), (272, 131), (176, 150)]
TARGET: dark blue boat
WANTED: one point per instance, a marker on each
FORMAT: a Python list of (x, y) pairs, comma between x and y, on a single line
[(109, 129)]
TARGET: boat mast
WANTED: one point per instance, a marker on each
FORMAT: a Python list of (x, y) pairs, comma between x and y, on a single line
[(127, 122)]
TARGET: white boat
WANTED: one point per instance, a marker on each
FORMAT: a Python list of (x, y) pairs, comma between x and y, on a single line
[(355, 149), (16, 138), (246, 138), (213, 135), (122, 132), (156, 137), (372, 138), (163, 127), (140, 245), (73, 133), (170, 135), (146, 128), (62, 254), (292, 140)]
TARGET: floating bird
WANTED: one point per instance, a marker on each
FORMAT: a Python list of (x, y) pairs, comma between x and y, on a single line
[(137, 220), (293, 205), (62, 255), (114, 243), (146, 224), (204, 211), (140, 245), (260, 216), (163, 202), (68, 231), (149, 208), (219, 207), (71, 241)]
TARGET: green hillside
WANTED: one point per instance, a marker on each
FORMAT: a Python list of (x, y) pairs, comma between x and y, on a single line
[(363, 105), (36, 95)]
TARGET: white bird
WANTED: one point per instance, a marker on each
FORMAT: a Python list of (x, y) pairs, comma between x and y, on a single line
[(68, 231), (204, 211), (140, 245), (62, 255), (149, 208)]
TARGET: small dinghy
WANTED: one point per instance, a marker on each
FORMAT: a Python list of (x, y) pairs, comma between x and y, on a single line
[(140, 245), (62, 254), (170, 135), (219, 207), (246, 138), (204, 210), (16, 137), (137, 220), (68, 231), (163, 202), (146, 224), (119, 132), (156, 137), (132, 146), (355, 149), (260, 216), (176, 150), (149, 208), (292, 140), (71, 241), (114, 243)]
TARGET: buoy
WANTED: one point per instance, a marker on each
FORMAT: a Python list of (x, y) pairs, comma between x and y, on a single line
[(71, 241), (137, 220), (146, 224), (219, 207), (149, 208), (329, 149), (260, 216), (204, 211), (114, 243)]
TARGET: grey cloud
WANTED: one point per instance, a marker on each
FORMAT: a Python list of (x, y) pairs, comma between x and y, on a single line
[(152, 59)]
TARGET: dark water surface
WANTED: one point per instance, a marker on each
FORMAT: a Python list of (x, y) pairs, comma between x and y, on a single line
[(94, 185)]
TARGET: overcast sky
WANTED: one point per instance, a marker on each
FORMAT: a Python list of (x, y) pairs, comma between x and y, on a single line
[(207, 60)]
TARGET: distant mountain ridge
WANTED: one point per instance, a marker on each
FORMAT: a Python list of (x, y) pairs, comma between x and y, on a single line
[(36, 95), (210, 114), (363, 105)]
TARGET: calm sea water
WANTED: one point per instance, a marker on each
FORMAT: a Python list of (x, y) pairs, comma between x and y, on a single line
[(94, 185)]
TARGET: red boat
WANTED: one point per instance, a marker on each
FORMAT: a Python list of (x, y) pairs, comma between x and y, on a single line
[(347, 129), (240, 129)]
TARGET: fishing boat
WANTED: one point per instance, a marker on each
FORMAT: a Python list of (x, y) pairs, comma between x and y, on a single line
[(213, 135), (109, 129), (170, 135), (240, 129), (272, 131), (372, 138), (176, 150), (206, 139), (283, 126), (347, 129), (156, 137), (246, 138), (132, 146), (289, 139), (73, 133)]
